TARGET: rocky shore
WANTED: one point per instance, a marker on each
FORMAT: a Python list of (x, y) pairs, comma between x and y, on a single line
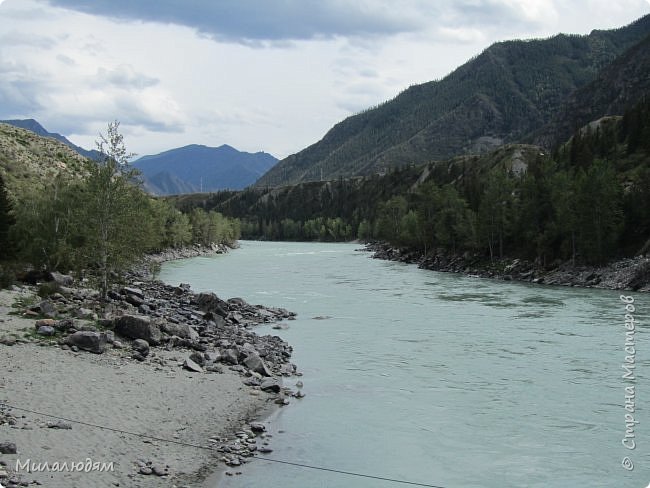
[(626, 274), (155, 360), (188, 252)]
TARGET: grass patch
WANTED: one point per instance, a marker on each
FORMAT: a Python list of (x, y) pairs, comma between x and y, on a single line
[(23, 302)]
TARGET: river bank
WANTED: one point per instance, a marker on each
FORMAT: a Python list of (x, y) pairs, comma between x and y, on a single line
[(626, 274), (183, 370)]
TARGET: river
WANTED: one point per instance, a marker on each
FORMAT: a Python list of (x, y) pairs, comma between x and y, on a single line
[(438, 378)]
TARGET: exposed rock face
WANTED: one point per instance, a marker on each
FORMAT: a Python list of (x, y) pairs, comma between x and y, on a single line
[(138, 327), (88, 341)]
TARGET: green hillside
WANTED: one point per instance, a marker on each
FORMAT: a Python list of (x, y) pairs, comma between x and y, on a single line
[(510, 90), (29, 162)]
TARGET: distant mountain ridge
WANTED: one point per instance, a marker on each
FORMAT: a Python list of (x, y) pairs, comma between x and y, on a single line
[(38, 129), (509, 91), (195, 168), (188, 169)]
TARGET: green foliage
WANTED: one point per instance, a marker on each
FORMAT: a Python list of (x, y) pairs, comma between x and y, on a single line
[(496, 212), (49, 226), (102, 224), (7, 275), (589, 201), (212, 228), (598, 212), (7, 220)]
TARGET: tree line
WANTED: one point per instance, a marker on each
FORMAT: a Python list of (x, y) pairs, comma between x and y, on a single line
[(101, 223), (587, 201)]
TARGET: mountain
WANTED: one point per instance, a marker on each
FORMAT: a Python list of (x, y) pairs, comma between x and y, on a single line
[(196, 168), (29, 161), (619, 86), (511, 89), (35, 127), (165, 183)]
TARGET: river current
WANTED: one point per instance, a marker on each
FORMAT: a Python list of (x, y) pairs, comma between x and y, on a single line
[(439, 378)]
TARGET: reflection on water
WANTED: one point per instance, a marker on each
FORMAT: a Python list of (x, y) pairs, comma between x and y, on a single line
[(434, 377)]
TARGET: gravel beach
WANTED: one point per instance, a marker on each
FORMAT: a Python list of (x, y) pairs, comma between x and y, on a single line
[(157, 397)]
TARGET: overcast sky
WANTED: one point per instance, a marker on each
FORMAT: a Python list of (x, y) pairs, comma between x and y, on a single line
[(271, 75)]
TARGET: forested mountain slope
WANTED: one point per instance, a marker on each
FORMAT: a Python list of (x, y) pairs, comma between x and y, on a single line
[(510, 90)]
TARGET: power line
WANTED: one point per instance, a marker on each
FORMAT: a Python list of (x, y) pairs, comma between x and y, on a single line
[(208, 448), (349, 473)]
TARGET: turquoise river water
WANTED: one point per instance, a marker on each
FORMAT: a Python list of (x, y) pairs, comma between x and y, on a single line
[(438, 378)]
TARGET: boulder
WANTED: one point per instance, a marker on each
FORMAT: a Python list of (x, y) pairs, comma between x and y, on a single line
[(271, 385), (64, 324), (198, 358), (45, 323), (183, 331), (8, 448), (192, 366), (209, 302), (61, 279), (255, 363), (46, 330), (137, 356), (138, 327), (134, 300), (141, 346), (214, 320), (113, 295), (47, 308), (230, 356), (88, 341), (130, 290)]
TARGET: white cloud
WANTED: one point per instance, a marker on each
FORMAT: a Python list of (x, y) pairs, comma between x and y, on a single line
[(174, 78)]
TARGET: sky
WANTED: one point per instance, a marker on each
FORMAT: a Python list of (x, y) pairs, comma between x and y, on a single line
[(259, 75)]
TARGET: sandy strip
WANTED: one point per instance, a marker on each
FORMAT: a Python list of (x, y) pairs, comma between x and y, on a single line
[(161, 400)]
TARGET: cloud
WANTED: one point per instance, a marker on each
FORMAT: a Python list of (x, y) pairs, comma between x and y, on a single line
[(497, 13), (468, 35), (124, 76), (17, 38), (271, 20), (20, 88), (277, 23), (67, 60)]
